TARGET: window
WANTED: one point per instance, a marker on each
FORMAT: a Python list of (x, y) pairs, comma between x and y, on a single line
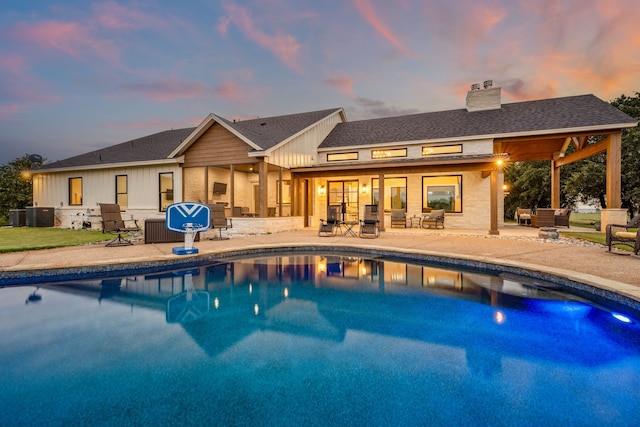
[(385, 154), (337, 157), (433, 150), (395, 193), (286, 192), (166, 190), (75, 191), (345, 194), (442, 192), (122, 196)]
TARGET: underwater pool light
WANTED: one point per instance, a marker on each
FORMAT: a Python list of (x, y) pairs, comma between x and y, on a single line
[(621, 317)]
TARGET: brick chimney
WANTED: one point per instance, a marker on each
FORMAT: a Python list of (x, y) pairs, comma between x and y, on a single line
[(485, 98)]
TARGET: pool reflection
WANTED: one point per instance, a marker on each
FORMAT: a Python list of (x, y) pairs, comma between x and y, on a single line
[(325, 296)]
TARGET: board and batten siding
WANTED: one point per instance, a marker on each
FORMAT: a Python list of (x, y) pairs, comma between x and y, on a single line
[(99, 186), (217, 147), (302, 150)]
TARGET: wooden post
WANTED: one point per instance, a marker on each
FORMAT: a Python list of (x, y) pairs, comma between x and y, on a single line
[(381, 201), (614, 170), (231, 189), (555, 185), (493, 227), (263, 184)]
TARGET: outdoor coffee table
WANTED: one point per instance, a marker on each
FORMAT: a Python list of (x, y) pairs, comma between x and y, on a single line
[(348, 228)]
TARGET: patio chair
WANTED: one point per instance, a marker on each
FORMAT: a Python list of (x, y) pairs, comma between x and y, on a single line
[(112, 222), (561, 218), (544, 218), (398, 218), (523, 216), (624, 234), (435, 217), (219, 220), (370, 224), (331, 225)]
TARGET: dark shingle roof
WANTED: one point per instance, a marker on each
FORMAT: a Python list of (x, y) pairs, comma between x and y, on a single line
[(530, 116), (152, 147), (270, 131)]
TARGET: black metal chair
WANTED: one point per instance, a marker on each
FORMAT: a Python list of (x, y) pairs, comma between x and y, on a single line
[(219, 220), (370, 224), (331, 225), (112, 222)]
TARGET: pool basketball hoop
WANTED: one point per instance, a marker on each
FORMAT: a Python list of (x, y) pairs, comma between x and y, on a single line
[(188, 218)]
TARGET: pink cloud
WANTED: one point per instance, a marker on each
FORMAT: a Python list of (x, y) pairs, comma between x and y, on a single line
[(284, 46), (71, 38), (166, 90), (371, 16), (111, 14), (230, 91), (342, 82)]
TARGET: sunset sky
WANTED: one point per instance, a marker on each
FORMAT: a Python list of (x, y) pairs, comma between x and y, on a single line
[(78, 75)]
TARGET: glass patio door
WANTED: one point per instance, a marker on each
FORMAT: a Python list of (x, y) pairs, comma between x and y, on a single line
[(345, 194)]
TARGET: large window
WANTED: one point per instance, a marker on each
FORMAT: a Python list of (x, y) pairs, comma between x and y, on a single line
[(166, 190), (122, 195), (75, 191), (442, 192), (345, 194), (395, 193)]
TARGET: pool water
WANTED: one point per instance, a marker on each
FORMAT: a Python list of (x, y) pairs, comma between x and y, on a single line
[(314, 340)]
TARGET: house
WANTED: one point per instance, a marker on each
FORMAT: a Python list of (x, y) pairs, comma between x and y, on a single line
[(285, 170)]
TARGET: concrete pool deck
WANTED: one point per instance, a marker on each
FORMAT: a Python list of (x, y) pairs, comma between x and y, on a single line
[(515, 246)]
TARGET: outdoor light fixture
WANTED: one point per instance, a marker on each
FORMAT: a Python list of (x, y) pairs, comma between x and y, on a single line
[(322, 190), (500, 159), (365, 189)]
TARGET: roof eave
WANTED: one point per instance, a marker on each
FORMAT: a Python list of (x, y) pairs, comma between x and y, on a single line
[(98, 166), (581, 129)]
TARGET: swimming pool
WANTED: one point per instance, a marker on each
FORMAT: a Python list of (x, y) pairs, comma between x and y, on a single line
[(316, 340)]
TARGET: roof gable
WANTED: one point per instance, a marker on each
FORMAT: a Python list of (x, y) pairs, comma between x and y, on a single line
[(548, 115), (262, 133)]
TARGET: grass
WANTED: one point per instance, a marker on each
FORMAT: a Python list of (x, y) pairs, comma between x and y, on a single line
[(15, 239)]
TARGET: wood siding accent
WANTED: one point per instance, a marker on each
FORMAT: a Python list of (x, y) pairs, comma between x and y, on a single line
[(217, 147)]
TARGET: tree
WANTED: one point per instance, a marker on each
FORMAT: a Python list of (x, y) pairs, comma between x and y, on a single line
[(630, 154), (529, 186), (16, 190)]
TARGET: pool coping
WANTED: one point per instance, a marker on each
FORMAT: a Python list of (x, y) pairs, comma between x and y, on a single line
[(622, 295)]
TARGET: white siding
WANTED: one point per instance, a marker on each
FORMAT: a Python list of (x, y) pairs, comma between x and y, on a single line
[(98, 186), (302, 150)]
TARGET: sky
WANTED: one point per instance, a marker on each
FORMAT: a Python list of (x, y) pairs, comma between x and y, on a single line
[(79, 75)]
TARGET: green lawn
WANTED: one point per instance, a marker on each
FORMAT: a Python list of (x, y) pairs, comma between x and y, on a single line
[(15, 239)]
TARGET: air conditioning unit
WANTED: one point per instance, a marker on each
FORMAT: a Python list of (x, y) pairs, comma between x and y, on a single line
[(39, 216)]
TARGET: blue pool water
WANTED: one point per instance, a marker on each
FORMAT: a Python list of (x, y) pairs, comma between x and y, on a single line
[(314, 340)]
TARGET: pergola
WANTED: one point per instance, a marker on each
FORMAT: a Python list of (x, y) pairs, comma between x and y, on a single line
[(553, 148)]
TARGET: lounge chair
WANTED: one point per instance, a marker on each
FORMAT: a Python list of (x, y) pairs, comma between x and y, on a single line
[(625, 234), (219, 219), (370, 224), (331, 225), (523, 216), (398, 218), (112, 222), (561, 218), (544, 218), (435, 217)]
